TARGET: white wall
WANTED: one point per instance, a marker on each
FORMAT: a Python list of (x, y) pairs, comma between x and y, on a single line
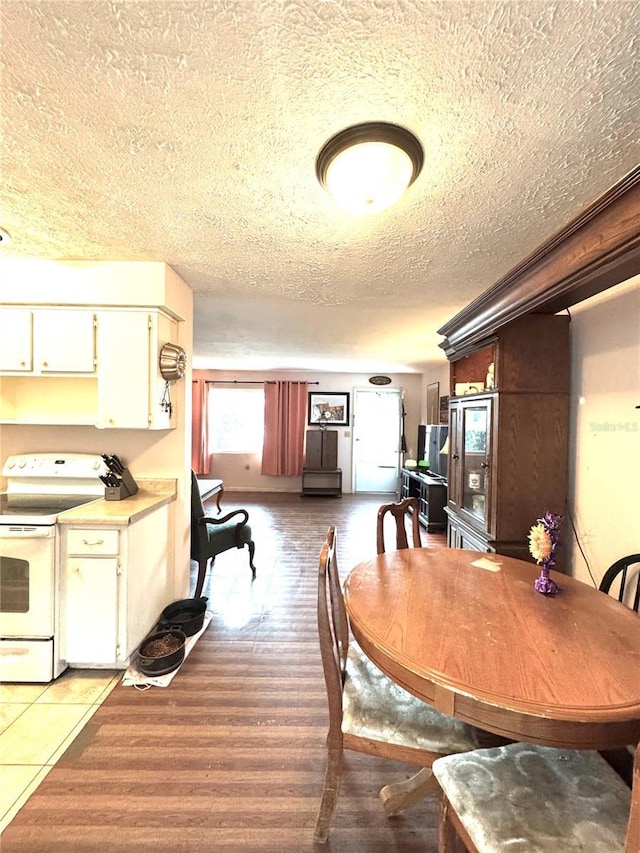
[(604, 485), (232, 468)]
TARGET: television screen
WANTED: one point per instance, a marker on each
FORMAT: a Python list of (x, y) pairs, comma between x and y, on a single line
[(431, 441)]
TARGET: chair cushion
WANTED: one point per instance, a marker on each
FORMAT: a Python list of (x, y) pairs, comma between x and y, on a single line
[(376, 707), (522, 798), (223, 536)]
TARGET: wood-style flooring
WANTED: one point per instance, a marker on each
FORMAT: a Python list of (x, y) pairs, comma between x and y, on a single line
[(230, 756)]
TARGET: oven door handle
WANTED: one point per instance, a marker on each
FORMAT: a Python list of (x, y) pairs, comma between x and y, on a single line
[(26, 531)]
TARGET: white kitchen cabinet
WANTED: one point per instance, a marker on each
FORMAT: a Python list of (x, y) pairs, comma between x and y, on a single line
[(16, 352), (115, 584), (91, 631), (83, 367), (43, 341), (129, 384), (64, 341)]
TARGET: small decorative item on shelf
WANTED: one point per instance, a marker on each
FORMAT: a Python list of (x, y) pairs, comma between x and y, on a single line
[(324, 419), (474, 480), (543, 540), (489, 382)]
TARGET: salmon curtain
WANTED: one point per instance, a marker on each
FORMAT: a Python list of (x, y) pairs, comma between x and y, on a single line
[(200, 457), (285, 414)]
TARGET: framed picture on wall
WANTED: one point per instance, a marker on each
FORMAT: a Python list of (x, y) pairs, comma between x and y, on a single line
[(433, 397), (328, 408)]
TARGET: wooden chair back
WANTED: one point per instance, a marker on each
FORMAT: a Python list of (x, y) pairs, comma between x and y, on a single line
[(408, 507), (627, 579), (370, 714), (333, 632)]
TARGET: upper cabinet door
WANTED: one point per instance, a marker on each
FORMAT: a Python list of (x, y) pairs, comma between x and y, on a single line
[(123, 370), (15, 340), (63, 341)]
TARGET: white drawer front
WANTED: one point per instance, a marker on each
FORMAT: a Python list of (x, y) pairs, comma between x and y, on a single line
[(26, 660), (90, 541)]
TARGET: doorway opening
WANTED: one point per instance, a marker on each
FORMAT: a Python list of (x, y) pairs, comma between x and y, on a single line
[(377, 436)]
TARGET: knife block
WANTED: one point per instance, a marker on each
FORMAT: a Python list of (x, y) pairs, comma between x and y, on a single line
[(126, 489)]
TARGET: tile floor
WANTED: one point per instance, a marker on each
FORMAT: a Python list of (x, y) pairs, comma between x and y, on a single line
[(37, 724)]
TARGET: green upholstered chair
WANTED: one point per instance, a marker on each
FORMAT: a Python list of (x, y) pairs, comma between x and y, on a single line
[(213, 536), (535, 799)]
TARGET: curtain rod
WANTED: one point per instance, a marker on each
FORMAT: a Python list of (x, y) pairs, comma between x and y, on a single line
[(255, 382)]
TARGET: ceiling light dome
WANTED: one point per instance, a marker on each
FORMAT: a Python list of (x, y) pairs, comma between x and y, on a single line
[(367, 167)]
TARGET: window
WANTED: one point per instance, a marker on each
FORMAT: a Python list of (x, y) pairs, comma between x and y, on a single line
[(236, 420)]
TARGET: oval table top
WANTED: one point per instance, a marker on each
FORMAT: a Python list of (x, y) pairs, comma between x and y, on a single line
[(467, 632)]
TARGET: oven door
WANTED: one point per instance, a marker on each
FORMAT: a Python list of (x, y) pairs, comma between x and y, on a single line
[(27, 579)]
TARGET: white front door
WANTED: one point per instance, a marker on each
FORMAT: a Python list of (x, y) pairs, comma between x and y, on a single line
[(376, 445)]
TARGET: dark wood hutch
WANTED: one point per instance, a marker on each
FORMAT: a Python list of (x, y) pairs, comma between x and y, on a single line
[(508, 458)]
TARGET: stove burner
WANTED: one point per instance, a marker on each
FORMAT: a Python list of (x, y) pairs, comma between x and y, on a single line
[(40, 505)]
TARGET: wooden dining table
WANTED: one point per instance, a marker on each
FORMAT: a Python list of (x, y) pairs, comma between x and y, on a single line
[(467, 633)]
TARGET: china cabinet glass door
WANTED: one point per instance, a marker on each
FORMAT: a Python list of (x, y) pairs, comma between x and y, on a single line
[(474, 453)]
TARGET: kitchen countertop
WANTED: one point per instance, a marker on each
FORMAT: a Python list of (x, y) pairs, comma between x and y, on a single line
[(151, 495)]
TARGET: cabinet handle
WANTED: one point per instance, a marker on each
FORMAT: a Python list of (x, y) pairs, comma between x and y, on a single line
[(97, 542), (455, 456), (45, 364), (484, 464), (23, 364)]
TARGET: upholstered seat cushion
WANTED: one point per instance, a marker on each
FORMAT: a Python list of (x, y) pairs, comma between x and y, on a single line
[(532, 799), (223, 536), (375, 707)]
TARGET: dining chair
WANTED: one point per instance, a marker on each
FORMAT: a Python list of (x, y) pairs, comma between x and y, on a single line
[(213, 536), (627, 579), (399, 511), (371, 714), (536, 799)]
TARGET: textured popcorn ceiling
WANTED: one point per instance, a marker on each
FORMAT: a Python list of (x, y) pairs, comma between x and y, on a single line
[(187, 132)]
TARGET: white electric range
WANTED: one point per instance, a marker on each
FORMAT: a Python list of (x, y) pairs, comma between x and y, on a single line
[(39, 488)]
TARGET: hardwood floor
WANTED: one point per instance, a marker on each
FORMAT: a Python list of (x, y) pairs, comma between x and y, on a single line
[(230, 756)]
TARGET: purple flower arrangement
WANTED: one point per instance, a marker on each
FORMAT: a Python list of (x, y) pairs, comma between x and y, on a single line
[(543, 541)]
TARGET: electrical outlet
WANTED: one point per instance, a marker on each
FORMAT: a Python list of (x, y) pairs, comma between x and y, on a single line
[(347, 433)]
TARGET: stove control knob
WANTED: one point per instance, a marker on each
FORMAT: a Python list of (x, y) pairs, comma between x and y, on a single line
[(22, 463), (11, 464), (96, 466)]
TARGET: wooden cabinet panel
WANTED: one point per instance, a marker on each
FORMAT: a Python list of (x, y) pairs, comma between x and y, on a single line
[(320, 475), (508, 460), (322, 449), (432, 497), (322, 481)]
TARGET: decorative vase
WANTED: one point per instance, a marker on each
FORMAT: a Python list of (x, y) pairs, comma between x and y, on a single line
[(544, 584)]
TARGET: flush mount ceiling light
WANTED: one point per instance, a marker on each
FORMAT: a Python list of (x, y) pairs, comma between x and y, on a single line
[(367, 167)]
